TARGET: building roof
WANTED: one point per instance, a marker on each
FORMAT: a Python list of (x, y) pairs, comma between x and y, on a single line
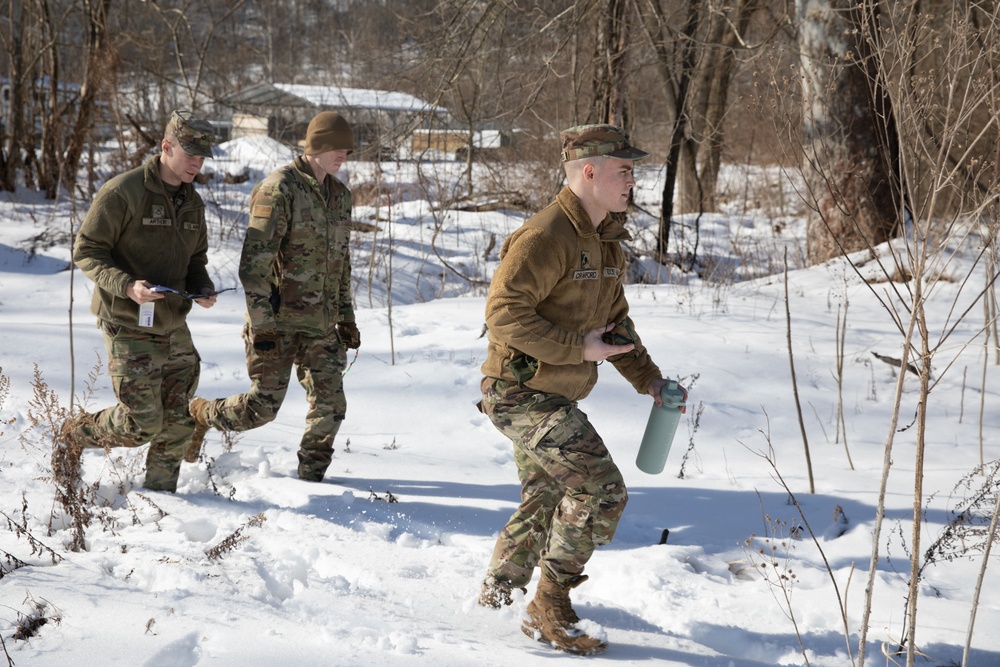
[(299, 95)]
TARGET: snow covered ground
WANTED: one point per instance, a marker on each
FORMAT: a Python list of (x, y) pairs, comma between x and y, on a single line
[(380, 564)]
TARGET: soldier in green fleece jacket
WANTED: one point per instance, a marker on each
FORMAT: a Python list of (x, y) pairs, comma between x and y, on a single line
[(556, 308), (146, 228)]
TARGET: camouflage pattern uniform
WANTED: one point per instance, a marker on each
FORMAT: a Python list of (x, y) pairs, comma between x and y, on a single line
[(296, 270), (572, 493), (139, 229), (558, 279)]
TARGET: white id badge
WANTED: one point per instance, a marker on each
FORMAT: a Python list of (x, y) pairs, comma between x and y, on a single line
[(146, 313)]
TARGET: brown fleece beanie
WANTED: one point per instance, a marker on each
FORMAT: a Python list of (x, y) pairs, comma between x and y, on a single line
[(328, 131)]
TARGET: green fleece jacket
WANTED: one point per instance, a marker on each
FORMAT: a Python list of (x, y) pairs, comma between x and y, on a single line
[(558, 279), (133, 231)]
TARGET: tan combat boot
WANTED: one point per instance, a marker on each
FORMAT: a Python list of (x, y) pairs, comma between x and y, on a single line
[(551, 619), (199, 410)]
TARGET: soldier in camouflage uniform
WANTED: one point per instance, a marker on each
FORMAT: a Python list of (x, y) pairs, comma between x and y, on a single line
[(556, 308), (146, 228), (296, 270)]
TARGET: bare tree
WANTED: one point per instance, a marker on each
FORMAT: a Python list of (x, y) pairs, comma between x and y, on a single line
[(611, 62), (917, 137), (675, 61), (935, 60), (53, 100), (17, 41), (507, 66), (851, 151), (726, 25), (99, 60), (56, 91), (191, 42)]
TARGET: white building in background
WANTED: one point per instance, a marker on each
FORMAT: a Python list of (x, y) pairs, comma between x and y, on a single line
[(383, 121)]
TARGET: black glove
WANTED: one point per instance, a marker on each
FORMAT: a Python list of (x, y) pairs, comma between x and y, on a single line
[(349, 335), (267, 345)]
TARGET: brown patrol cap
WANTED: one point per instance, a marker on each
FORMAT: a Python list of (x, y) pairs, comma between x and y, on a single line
[(585, 141), (195, 136)]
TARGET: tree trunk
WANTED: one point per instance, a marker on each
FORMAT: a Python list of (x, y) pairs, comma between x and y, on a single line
[(717, 106), (680, 124), (100, 57), (14, 122), (701, 157), (691, 190), (690, 197), (849, 144), (913, 595), (51, 112), (609, 64)]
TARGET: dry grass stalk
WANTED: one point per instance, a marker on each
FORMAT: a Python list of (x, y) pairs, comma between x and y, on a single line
[(236, 538)]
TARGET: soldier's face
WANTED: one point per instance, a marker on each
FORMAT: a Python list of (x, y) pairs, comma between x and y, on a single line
[(331, 161), (177, 165), (613, 180)]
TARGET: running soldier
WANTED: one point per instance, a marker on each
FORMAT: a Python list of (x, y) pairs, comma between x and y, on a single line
[(296, 270), (556, 308), (146, 229)]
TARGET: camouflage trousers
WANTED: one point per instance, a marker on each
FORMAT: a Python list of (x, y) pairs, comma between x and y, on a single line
[(572, 493), (154, 377), (319, 364)]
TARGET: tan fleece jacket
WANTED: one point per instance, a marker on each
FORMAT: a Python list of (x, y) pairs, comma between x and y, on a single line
[(558, 279)]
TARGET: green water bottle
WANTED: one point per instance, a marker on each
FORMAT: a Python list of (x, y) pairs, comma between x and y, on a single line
[(660, 429)]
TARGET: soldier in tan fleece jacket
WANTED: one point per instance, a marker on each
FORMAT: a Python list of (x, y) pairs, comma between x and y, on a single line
[(555, 310)]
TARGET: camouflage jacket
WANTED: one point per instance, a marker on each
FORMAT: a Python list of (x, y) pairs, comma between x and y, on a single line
[(296, 262), (558, 279), (135, 231)]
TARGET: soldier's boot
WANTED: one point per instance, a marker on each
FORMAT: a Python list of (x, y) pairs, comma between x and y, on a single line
[(313, 464), (199, 410), (66, 451), (497, 594), (551, 619)]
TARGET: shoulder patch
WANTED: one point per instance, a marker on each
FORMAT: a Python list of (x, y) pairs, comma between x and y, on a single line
[(261, 211)]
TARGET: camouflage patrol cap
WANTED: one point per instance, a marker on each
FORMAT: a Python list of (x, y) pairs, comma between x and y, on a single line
[(585, 141), (195, 136)]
